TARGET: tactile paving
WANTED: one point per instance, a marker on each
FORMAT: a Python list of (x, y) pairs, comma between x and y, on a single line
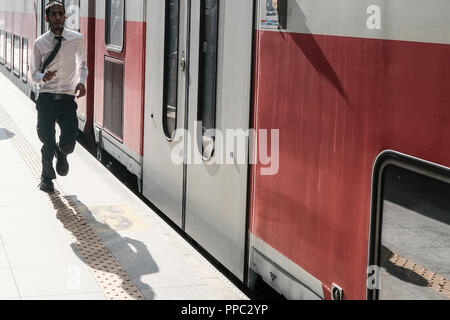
[(114, 281), (435, 281)]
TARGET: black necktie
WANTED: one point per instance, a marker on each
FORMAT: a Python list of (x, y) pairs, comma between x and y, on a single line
[(52, 54)]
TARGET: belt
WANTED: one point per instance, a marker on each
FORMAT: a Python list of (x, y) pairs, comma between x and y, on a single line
[(57, 96)]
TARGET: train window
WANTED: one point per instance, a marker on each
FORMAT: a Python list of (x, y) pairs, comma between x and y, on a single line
[(274, 14), (2, 46), (72, 14), (114, 24), (171, 68), (206, 114), (415, 235), (25, 59), (8, 50), (16, 56)]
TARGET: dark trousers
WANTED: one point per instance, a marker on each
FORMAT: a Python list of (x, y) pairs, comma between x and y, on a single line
[(64, 113)]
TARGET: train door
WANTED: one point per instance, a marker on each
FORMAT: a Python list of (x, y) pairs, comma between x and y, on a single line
[(200, 173), (165, 105), (219, 109)]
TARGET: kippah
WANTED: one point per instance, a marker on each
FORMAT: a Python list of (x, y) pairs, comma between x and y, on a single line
[(53, 3)]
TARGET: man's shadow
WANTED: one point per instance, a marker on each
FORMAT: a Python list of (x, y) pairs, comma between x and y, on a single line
[(89, 251)]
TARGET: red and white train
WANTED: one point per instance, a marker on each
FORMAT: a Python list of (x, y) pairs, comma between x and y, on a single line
[(344, 89)]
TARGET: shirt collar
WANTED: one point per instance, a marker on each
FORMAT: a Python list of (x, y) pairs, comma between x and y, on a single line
[(63, 34)]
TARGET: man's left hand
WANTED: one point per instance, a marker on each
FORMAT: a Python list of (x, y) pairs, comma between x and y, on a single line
[(82, 89)]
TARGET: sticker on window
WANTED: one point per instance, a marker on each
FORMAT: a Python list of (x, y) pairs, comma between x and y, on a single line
[(269, 15)]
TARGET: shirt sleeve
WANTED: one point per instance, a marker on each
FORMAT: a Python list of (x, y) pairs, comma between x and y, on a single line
[(36, 64), (82, 62)]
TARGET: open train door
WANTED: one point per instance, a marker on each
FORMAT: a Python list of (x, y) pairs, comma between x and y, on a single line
[(198, 87)]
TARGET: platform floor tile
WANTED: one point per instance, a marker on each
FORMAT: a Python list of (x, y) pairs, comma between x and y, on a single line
[(33, 232), (55, 280), (84, 296), (200, 292), (4, 263), (8, 289), (22, 255)]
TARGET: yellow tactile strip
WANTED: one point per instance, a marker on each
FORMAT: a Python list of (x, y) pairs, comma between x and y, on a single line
[(107, 271), (435, 281), (111, 277)]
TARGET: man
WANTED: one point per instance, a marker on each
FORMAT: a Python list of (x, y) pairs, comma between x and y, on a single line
[(59, 68)]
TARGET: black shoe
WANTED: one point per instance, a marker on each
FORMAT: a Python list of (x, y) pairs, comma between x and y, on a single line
[(47, 185), (62, 166)]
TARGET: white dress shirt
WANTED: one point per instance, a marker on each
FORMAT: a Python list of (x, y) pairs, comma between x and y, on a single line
[(70, 62)]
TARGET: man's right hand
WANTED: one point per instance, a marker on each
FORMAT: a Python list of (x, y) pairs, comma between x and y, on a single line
[(49, 75)]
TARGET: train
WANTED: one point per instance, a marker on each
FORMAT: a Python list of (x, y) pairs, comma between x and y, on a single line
[(268, 131)]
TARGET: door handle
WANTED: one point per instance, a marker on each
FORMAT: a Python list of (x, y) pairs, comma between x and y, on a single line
[(183, 64), (183, 61)]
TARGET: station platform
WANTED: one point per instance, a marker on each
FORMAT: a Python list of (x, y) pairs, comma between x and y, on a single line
[(92, 239)]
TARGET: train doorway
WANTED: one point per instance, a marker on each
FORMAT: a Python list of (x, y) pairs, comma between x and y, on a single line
[(198, 85)]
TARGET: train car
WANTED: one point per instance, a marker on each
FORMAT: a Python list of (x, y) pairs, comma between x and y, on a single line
[(359, 92), (300, 142), (17, 34)]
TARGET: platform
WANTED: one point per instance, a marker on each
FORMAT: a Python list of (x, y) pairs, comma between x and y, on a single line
[(91, 239), (415, 252)]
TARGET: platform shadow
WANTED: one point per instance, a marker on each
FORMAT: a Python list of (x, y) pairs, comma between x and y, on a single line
[(89, 246), (400, 273), (5, 134)]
